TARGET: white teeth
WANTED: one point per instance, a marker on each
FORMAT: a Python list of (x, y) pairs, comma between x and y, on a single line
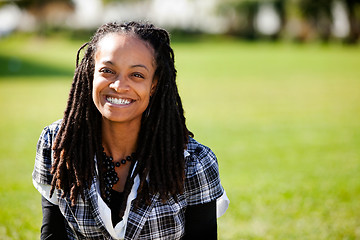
[(118, 100)]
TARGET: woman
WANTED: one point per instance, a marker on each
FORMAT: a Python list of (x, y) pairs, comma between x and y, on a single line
[(121, 164)]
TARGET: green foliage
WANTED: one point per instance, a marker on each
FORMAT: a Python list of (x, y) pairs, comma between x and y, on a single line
[(122, 1), (37, 3), (283, 120)]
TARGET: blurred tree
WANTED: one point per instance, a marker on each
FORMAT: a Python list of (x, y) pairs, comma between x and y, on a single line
[(47, 13), (117, 1), (241, 15), (318, 15), (353, 9), (280, 6), (29, 4), (246, 10)]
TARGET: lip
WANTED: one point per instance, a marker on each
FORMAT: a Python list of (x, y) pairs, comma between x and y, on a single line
[(119, 101)]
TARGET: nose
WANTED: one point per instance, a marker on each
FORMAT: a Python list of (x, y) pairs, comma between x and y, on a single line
[(120, 84)]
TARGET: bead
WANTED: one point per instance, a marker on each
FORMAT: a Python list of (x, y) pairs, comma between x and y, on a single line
[(110, 175)]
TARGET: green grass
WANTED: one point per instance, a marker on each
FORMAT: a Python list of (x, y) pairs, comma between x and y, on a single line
[(283, 119)]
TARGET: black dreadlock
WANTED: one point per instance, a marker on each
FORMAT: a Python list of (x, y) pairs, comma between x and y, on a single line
[(162, 138)]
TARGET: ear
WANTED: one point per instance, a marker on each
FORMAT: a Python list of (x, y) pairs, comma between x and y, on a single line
[(153, 86)]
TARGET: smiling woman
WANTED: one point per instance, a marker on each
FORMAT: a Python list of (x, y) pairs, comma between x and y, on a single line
[(123, 78), (122, 164)]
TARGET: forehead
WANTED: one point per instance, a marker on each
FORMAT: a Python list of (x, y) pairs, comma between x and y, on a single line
[(115, 45)]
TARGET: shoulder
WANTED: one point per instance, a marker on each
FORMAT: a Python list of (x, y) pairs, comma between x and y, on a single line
[(47, 136), (43, 158), (202, 180), (49, 132), (198, 156)]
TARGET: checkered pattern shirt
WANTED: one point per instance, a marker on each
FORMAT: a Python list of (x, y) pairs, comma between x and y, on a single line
[(155, 221)]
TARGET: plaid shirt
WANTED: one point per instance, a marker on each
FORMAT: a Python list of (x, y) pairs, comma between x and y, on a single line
[(155, 221)]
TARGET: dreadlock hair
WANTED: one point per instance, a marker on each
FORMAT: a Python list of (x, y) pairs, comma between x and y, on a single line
[(163, 135)]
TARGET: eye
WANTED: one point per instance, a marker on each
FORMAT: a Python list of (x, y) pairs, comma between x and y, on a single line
[(138, 75), (106, 70)]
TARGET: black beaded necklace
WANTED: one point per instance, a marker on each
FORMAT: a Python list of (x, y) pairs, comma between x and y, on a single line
[(110, 175)]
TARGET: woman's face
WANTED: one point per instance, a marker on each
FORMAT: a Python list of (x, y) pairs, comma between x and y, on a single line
[(123, 78)]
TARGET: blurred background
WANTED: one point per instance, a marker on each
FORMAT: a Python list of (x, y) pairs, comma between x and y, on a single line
[(300, 20), (271, 86)]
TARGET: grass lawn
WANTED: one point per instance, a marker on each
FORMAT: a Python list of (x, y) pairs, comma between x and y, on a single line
[(283, 119)]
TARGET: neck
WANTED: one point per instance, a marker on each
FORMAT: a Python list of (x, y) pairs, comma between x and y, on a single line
[(119, 139)]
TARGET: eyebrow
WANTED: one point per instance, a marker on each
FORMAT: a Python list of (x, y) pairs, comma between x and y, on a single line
[(132, 66), (107, 62), (140, 65)]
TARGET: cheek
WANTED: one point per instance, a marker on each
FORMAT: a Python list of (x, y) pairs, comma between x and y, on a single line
[(95, 90), (93, 94), (143, 90)]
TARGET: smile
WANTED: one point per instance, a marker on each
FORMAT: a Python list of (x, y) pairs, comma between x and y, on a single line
[(121, 101)]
